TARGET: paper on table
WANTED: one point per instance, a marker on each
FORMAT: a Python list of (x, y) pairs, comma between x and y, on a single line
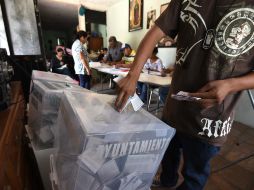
[(117, 79), (94, 64)]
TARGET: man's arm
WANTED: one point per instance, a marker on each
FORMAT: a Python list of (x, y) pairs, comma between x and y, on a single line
[(105, 58), (127, 85), (216, 91), (85, 63)]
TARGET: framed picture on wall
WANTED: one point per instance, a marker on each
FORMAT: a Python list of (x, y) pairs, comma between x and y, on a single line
[(163, 7), (135, 15), (166, 41), (151, 17)]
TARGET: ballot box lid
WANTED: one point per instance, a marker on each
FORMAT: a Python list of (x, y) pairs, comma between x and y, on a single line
[(96, 114), (49, 76)]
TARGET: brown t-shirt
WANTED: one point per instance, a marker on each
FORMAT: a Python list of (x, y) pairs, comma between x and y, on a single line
[(231, 55)]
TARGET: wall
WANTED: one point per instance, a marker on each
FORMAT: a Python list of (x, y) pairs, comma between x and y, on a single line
[(101, 30), (117, 21), (245, 111), (53, 35)]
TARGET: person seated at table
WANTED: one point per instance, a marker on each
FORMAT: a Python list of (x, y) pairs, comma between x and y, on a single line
[(114, 53), (103, 53), (163, 91), (128, 58), (66, 51), (153, 63), (58, 63)]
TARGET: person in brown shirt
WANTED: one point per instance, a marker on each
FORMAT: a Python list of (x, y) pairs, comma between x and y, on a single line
[(214, 63)]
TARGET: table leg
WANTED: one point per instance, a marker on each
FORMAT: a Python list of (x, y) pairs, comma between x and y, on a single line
[(101, 80)]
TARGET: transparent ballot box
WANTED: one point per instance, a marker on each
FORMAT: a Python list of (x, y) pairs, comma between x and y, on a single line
[(101, 149), (44, 104), (54, 77)]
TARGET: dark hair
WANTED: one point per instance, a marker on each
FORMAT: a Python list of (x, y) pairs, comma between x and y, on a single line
[(80, 34), (155, 50), (112, 39), (105, 49), (59, 50)]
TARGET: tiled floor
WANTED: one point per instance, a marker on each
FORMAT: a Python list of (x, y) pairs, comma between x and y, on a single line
[(240, 144)]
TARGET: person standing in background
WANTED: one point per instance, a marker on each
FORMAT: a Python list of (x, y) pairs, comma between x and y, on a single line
[(81, 60)]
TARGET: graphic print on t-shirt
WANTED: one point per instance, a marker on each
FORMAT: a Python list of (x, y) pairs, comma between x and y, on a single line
[(190, 14), (235, 32), (234, 36), (182, 53), (215, 128)]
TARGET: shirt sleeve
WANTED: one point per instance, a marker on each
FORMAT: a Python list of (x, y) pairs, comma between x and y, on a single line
[(79, 48), (168, 21), (146, 66), (106, 57), (160, 66)]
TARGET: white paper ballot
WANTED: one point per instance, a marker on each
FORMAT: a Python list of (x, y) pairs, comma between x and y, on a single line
[(117, 79), (184, 96), (135, 102)]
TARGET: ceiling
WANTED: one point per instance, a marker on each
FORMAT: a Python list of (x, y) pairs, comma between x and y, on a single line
[(58, 15), (63, 14), (99, 5)]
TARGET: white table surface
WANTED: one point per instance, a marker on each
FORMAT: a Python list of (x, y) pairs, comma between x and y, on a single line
[(144, 77)]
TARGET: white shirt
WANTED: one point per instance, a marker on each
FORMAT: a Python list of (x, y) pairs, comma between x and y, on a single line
[(155, 66), (76, 49)]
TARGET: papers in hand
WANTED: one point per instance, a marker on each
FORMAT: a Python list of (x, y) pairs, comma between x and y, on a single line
[(184, 96), (63, 66)]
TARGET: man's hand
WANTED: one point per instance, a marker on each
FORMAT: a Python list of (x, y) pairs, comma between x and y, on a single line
[(127, 87), (120, 65), (213, 93)]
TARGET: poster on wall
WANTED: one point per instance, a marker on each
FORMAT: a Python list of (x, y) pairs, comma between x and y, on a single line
[(3, 37), (23, 27), (135, 15), (151, 17)]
